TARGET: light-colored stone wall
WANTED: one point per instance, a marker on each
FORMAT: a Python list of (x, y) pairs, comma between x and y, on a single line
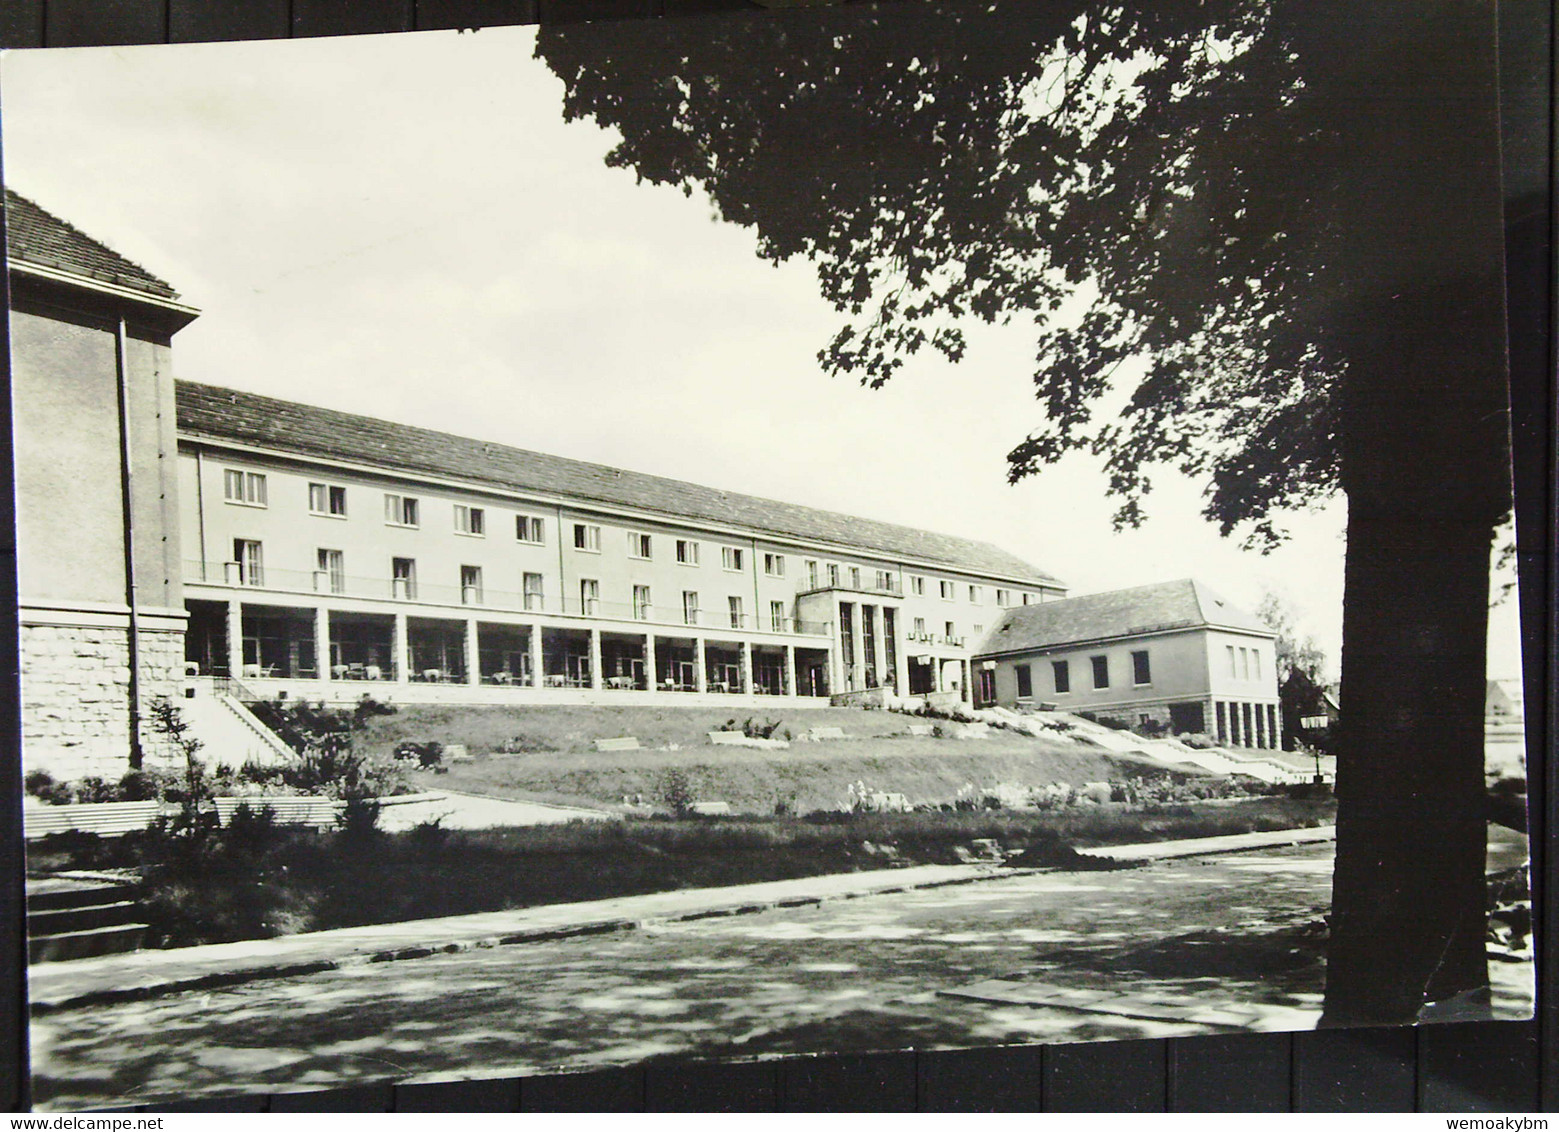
[(76, 697)]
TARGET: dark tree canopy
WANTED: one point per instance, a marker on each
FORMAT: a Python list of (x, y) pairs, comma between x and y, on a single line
[(947, 162), (1254, 240)]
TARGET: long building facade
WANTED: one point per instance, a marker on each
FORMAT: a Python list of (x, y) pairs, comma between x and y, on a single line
[(329, 555), (172, 532)]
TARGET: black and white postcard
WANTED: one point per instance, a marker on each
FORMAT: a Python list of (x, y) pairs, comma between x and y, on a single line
[(736, 537)]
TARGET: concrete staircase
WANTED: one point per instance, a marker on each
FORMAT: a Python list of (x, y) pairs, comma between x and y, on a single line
[(229, 732), (1217, 760), (80, 918)]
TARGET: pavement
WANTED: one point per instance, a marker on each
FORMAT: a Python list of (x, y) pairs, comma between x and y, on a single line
[(1192, 944), (1207, 846), (147, 974)]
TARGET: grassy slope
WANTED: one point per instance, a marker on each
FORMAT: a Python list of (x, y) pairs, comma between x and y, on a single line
[(564, 766)]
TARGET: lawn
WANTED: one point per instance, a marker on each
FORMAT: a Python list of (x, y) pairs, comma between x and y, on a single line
[(551, 756)]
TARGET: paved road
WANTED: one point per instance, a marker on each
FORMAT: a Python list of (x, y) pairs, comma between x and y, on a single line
[(869, 973), (877, 972)]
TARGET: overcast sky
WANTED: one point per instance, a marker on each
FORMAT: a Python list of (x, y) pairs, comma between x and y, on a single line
[(403, 226)]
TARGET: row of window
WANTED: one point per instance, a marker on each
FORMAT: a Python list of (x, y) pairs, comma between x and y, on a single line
[(249, 489), (249, 555), (1244, 663), (1061, 674)]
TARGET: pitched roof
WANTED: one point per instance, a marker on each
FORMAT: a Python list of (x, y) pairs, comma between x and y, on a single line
[(306, 430), (1182, 604), (38, 237)]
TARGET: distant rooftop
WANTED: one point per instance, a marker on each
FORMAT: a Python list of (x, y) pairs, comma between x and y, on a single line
[(1183, 604), (287, 426), (38, 237)]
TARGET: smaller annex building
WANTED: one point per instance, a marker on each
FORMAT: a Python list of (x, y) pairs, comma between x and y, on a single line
[(1173, 657)]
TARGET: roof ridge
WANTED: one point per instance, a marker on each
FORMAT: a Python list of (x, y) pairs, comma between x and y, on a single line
[(608, 473)]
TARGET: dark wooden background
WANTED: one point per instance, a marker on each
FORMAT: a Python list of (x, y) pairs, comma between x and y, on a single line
[(1506, 1067)]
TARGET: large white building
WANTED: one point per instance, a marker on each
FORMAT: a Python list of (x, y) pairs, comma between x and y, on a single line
[(328, 554), (172, 532)]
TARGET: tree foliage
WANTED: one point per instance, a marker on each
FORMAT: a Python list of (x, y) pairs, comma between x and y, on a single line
[(1254, 240), (1293, 652), (1130, 183)]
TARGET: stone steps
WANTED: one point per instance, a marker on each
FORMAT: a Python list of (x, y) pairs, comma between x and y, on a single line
[(71, 918)]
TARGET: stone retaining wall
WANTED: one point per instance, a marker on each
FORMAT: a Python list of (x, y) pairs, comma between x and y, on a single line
[(76, 697)]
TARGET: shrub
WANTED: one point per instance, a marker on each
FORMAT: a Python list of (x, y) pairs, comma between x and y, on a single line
[(139, 786), (676, 791), (429, 754), (367, 708), (41, 785)]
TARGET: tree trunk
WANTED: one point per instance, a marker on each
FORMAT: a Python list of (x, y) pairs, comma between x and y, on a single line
[(1408, 894), (1410, 101)]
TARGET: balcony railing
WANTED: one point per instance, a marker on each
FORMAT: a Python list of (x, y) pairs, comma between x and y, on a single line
[(485, 597)]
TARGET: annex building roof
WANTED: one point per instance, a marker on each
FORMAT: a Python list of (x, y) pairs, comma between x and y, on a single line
[(207, 411), (1161, 607), (38, 237)]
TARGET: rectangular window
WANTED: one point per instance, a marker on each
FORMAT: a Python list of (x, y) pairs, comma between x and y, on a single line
[(917, 586), (332, 564), (812, 575), (1003, 598), (470, 520), (974, 594), (777, 616), (1025, 681), (403, 574), (1245, 664), (534, 598), (855, 577), (471, 585), (251, 561), (1233, 671), (774, 565), (244, 487), (640, 546), (1255, 663), (946, 589), (690, 607), (738, 619), (949, 630), (587, 537), (1140, 672), (327, 499), (731, 557), (1028, 599), (833, 574), (641, 603), (920, 626), (589, 595), (979, 629), (687, 552), (1061, 672), (528, 528), (400, 511), (884, 579), (1101, 671)]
